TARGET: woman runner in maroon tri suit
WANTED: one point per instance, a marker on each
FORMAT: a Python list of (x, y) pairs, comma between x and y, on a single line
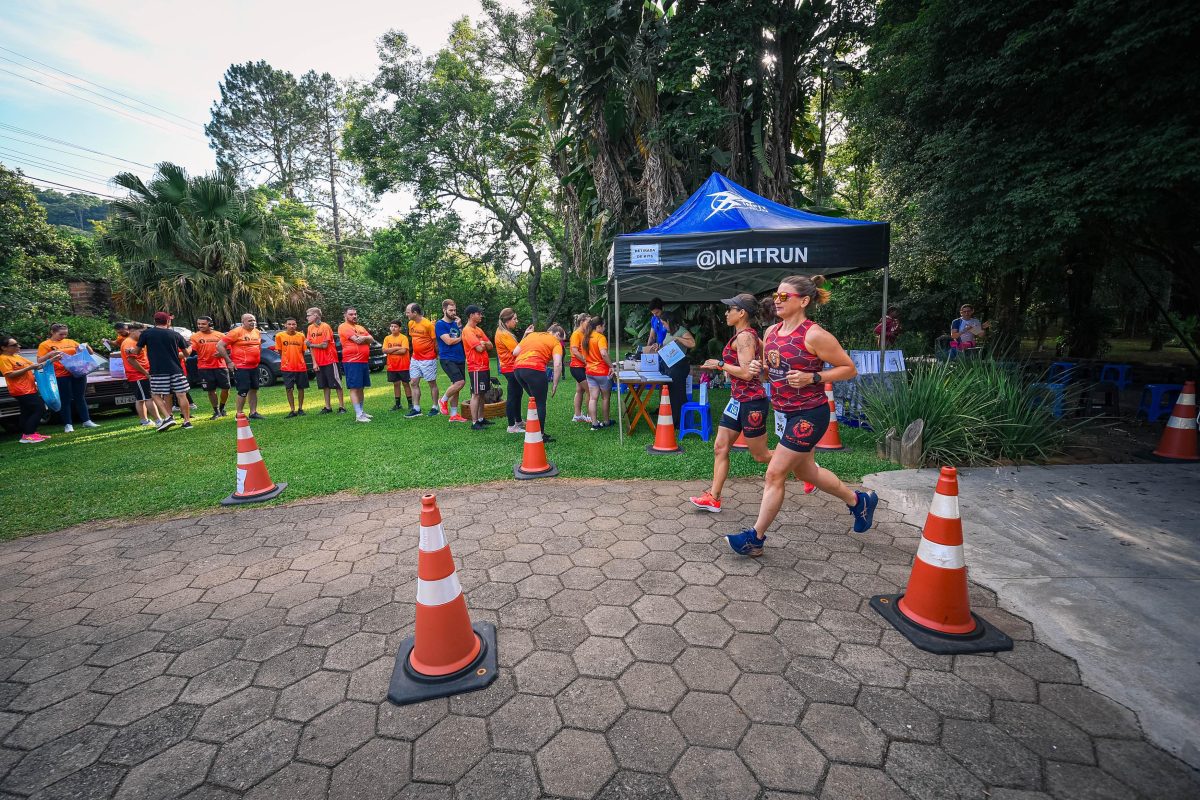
[(795, 350), (748, 411)]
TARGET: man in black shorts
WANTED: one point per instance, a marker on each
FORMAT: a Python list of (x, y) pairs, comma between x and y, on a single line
[(209, 365), (163, 345)]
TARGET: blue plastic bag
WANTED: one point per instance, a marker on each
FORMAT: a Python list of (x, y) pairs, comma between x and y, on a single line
[(47, 385), (82, 362)]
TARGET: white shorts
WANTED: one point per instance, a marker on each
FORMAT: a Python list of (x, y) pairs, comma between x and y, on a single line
[(423, 370)]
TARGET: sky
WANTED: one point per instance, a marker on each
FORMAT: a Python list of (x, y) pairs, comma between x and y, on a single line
[(171, 55)]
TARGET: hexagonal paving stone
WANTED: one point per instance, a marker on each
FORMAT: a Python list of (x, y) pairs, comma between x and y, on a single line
[(701, 598), (151, 735), (610, 621), (409, 722), (1041, 663), (705, 669), (590, 704), (50, 723), (990, 754), (209, 687), (310, 696), (705, 630), (844, 781), (575, 764), (704, 774), (373, 772), (602, 657), (295, 781), (143, 699), (768, 698), (657, 609), (1039, 730), (337, 732), (1146, 769), (255, 754), (844, 734), (660, 582), (1089, 710), (871, 665), (898, 715), (449, 749), (781, 758), (655, 643), (638, 786), (949, 695), (749, 617), (560, 633), (928, 771), (483, 702), (655, 687), (499, 776), (711, 720), (525, 722), (646, 741), (169, 774), (545, 673), (756, 652)]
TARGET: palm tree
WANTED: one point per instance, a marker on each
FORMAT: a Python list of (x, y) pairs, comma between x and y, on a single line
[(198, 245)]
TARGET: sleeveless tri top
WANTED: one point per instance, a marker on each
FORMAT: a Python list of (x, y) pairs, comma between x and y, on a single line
[(743, 390), (786, 352)]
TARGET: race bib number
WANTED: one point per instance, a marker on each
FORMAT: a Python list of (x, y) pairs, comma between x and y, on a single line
[(780, 423), (733, 408)]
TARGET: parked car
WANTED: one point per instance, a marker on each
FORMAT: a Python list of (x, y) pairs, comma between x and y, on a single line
[(269, 370), (104, 391)]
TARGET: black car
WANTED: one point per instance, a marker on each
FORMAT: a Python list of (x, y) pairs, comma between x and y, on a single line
[(269, 370)]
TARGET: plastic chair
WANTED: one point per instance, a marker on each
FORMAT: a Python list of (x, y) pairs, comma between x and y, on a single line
[(1061, 372), (1116, 373), (1056, 393), (1157, 399), (703, 416)]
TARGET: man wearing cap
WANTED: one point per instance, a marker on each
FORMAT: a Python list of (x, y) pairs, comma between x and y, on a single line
[(452, 357), (242, 350), (163, 347), (478, 348)]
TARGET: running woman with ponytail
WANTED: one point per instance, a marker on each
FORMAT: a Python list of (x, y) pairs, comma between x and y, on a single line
[(748, 410), (795, 351)]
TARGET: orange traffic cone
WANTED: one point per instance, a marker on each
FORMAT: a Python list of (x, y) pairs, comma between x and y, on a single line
[(740, 444), (664, 433), (935, 612), (533, 459), (832, 440), (1178, 442), (447, 654), (254, 485)]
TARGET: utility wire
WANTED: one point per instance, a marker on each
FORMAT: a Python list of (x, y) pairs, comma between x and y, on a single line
[(36, 135), (65, 186), (18, 154), (106, 161)]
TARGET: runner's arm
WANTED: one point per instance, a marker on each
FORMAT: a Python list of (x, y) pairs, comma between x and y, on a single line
[(746, 353)]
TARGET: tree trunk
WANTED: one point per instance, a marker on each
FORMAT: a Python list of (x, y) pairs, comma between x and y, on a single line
[(1083, 333), (337, 230)]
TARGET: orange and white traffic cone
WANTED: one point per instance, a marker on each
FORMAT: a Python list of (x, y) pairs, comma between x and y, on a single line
[(740, 443), (254, 485), (832, 440), (664, 432), (533, 459), (934, 613), (1179, 440), (447, 654)]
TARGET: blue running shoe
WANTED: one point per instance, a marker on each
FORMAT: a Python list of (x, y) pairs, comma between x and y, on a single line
[(864, 511), (433, 412), (746, 543)]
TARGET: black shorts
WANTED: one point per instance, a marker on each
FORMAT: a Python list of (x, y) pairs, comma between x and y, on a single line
[(398, 376), (295, 380), (213, 378), (804, 429), (579, 374), (245, 379), (751, 419), (455, 370), (141, 390), (481, 381), (329, 376)]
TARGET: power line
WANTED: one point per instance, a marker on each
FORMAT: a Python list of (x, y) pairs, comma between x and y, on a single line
[(65, 186), (101, 86), (20, 155), (35, 134), (106, 161)]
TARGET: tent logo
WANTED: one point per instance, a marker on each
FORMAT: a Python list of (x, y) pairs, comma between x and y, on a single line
[(727, 201)]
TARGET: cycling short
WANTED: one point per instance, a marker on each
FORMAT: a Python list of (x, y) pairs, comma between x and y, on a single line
[(601, 382), (141, 389), (455, 370), (804, 429), (245, 380), (751, 420), (295, 380), (358, 374), (216, 378), (579, 374)]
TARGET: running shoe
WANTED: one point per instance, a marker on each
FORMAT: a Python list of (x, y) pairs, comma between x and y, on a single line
[(256, 415), (146, 422), (476, 426), (746, 543), (341, 409), (433, 412), (444, 407), (39, 437), (413, 412), (515, 429), (87, 423), (580, 418), (192, 407), (166, 424), (809, 488), (301, 413), (187, 426), (864, 511), (486, 421), (706, 502), (68, 428), (216, 415), (548, 438), (224, 413), (28, 440), (397, 407), (362, 418), (458, 418), (326, 410), (290, 414)]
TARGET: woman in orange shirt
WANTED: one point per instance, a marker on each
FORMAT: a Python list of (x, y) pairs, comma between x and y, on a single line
[(72, 389), (599, 371), (506, 343), (578, 367), (18, 374), (533, 355)]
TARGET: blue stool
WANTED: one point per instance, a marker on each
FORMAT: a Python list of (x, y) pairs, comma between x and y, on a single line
[(1056, 393), (1116, 373), (703, 416), (1157, 399), (1060, 372)]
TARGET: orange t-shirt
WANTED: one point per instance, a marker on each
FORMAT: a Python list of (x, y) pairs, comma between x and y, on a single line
[(131, 353), (353, 352), (22, 384), (245, 347), (204, 345), (397, 362), (68, 348), (505, 344), (473, 337), (538, 350), (291, 347), (320, 333), (422, 335), (597, 346), (576, 344)]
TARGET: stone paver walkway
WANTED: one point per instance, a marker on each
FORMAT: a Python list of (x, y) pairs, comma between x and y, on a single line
[(247, 654)]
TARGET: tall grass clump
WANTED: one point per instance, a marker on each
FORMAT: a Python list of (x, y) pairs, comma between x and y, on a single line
[(976, 411)]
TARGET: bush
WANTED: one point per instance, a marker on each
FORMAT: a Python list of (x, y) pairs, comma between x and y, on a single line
[(93, 330), (975, 412)]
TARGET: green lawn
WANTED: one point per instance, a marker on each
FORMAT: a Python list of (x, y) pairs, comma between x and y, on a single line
[(124, 471)]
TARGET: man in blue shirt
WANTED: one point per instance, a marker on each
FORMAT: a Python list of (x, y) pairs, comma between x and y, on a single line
[(452, 357), (658, 329)]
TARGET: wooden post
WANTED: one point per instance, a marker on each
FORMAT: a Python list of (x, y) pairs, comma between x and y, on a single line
[(893, 446), (883, 446), (910, 445)]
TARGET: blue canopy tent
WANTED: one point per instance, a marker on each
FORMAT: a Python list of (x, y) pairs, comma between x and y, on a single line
[(725, 239)]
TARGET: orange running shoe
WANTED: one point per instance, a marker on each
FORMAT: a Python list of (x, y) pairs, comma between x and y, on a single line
[(458, 418), (706, 502)]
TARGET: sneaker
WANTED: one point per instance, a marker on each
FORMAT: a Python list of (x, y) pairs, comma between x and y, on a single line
[(68, 428), (476, 426), (174, 409), (362, 418), (458, 418), (290, 414), (87, 423), (610, 423), (368, 416), (216, 415), (413, 412), (706, 502), (548, 438), (809, 488), (433, 412), (598, 426), (192, 407), (579, 418), (397, 407), (165, 424), (187, 426), (28, 440), (256, 415), (341, 409), (38, 437), (486, 422), (326, 410), (224, 413), (746, 543), (300, 412), (146, 422), (515, 429), (864, 511), (444, 407)]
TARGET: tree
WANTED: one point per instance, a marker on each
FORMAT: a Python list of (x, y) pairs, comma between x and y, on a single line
[(198, 245), (34, 258), (74, 210)]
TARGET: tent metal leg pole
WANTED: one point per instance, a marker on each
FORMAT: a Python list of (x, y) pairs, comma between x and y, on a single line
[(617, 337), (883, 323)]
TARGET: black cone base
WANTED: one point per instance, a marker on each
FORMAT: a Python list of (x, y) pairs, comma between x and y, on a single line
[(678, 451), (234, 500), (408, 686), (986, 638), (820, 449), (520, 475)]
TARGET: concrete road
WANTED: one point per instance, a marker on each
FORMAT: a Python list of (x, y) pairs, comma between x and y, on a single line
[(1104, 560)]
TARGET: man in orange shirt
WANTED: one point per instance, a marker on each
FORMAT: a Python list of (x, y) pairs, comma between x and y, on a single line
[(290, 344), (395, 347), (356, 351), (424, 359), (242, 350), (477, 347), (209, 365), (325, 359), (137, 374)]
